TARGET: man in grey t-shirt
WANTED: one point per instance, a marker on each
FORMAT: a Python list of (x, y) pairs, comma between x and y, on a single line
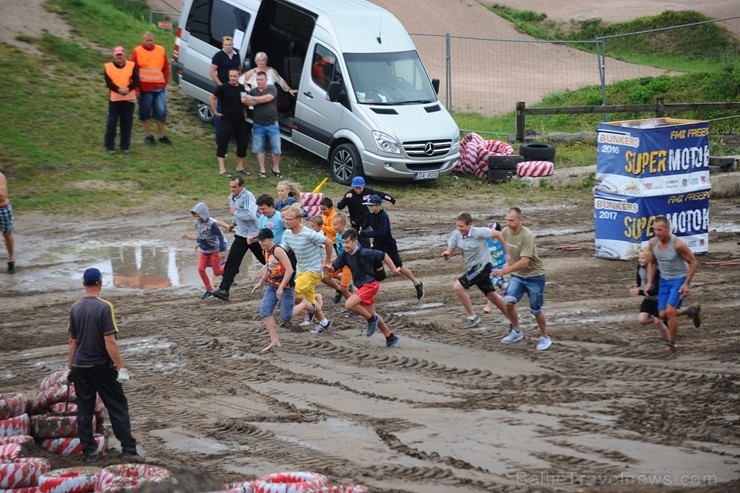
[(264, 100)]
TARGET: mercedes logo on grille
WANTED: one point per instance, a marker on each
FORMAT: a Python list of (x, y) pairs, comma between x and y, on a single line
[(429, 148)]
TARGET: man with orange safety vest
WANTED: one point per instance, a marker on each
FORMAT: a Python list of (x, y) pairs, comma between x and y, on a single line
[(154, 72), (122, 79)]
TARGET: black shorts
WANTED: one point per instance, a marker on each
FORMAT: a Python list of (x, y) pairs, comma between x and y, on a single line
[(649, 306), (480, 277)]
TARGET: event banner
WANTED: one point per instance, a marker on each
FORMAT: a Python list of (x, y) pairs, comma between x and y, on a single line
[(652, 157), (625, 224)]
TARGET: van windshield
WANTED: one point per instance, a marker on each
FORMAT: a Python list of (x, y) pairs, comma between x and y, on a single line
[(389, 78)]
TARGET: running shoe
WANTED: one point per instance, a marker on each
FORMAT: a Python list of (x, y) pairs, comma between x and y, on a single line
[(513, 336)]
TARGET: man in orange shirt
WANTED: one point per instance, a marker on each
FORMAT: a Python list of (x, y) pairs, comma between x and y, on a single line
[(122, 79), (154, 74)]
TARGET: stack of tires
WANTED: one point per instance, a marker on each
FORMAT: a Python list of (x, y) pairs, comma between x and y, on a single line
[(535, 159), (294, 482), (476, 151), (18, 471), (53, 420)]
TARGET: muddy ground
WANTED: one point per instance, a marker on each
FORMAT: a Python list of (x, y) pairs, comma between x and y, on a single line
[(447, 410)]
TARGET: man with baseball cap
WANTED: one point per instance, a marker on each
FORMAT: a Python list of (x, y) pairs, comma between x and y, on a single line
[(95, 367), (354, 199), (122, 79), (278, 277)]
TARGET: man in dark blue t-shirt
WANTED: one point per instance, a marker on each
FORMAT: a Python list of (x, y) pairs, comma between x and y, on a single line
[(223, 61), (95, 367)]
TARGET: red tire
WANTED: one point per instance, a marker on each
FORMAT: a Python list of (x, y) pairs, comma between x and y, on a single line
[(69, 480), (120, 476), (535, 168), (54, 426), (22, 473), (10, 451), (53, 395), (289, 482), (12, 405), (17, 425), (52, 380), (69, 445)]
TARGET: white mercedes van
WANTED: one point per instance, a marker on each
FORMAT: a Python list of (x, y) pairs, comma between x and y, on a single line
[(365, 102)]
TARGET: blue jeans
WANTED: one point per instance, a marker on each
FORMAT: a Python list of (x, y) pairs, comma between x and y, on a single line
[(262, 132), (269, 300), (534, 287), (155, 101)]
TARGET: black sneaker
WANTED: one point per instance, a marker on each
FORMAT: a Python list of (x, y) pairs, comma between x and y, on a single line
[(221, 294), (419, 290), (149, 139), (337, 297), (132, 458), (165, 140), (693, 313), (11, 267), (93, 457)]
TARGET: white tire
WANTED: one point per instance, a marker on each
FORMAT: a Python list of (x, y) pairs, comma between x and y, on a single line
[(535, 168)]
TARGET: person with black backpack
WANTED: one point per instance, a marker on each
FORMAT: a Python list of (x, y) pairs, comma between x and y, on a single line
[(363, 263), (278, 275)]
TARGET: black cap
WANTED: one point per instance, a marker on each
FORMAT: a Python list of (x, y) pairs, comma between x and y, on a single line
[(265, 233)]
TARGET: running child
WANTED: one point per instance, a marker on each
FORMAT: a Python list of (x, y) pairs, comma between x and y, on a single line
[(211, 243)]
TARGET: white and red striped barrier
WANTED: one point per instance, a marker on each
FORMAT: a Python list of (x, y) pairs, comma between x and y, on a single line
[(22, 472), (12, 405), (70, 445), (69, 480), (19, 439), (475, 151), (52, 395), (310, 202), (55, 426), (52, 380), (535, 168), (120, 476), (289, 482), (17, 425)]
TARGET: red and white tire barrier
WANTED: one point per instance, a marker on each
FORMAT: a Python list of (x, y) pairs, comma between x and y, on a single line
[(243, 487), (475, 151), (12, 405), (30, 489), (10, 451), (535, 168), (69, 480), (63, 409), (19, 439), (289, 482), (69, 445), (17, 425), (52, 395), (54, 426), (310, 202), (52, 380), (22, 473), (120, 476)]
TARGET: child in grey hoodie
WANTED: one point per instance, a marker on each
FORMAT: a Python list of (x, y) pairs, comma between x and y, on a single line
[(210, 241)]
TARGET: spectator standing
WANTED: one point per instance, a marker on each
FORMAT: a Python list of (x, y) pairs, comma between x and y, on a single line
[(527, 277), (95, 366), (245, 226), (473, 243), (222, 62), (265, 126), (154, 74), (230, 97), (6, 222), (354, 201), (122, 79), (377, 225)]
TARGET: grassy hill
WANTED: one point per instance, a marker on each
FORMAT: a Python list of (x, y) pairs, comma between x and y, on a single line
[(54, 105)]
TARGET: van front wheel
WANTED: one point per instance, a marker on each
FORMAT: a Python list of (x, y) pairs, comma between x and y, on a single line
[(204, 112), (345, 164)]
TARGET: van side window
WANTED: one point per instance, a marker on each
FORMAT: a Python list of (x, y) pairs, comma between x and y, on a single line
[(211, 20), (324, 68)]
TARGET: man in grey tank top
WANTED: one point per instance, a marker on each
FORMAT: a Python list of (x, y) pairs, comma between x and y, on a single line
[(677, 267)]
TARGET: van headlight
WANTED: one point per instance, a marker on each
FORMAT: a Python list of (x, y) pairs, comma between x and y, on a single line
[(386, 143), (455, 143)]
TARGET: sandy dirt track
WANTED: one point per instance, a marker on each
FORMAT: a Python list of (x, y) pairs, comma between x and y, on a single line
[(448, 409)]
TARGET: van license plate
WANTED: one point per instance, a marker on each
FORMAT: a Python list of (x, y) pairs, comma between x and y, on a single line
[(426, 175)]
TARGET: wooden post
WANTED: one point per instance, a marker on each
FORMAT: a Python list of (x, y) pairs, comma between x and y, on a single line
[(659, 108), (519, 121)]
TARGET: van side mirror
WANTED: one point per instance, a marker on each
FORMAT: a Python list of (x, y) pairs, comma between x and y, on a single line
[(334, 91), (435, 85)]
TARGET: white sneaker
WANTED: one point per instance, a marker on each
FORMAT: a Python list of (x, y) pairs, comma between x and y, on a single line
[(545, 342), (513, 336)]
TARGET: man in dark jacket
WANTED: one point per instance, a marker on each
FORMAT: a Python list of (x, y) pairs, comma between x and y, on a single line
[(354, 201)]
